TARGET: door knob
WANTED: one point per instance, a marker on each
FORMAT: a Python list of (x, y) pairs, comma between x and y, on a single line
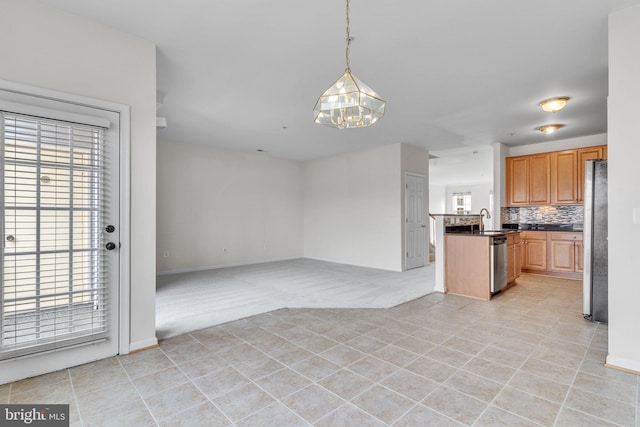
[(110, 229), (110, 246), (10, 238)]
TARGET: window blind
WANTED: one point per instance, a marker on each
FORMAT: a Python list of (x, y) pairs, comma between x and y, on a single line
[(54, 283)]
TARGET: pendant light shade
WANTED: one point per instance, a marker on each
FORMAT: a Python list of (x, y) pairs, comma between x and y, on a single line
[(348, 103)]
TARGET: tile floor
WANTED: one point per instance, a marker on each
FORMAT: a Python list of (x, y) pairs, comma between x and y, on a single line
[(526, 358)]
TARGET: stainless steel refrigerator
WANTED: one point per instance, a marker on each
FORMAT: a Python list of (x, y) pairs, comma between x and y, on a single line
[(596, 265)]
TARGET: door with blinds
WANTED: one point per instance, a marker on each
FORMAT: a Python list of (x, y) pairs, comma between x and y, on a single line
[(59, 266)]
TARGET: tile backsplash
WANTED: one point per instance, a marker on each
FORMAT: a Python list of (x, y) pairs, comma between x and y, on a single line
[(573, 214)]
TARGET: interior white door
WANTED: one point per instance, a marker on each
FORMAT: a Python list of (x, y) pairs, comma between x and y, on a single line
[(60, 228), (415, 225)]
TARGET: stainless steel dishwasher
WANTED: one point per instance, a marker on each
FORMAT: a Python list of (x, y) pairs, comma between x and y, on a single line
[(498, 249)]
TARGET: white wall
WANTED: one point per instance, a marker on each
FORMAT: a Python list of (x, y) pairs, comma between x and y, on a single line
[(55, 50), (218, 208), (437, 196), (624, 198), (479, 196), (352, 208)]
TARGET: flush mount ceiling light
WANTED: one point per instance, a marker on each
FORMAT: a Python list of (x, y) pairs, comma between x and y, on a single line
[(554, 104), (348, 103), (547, 129)]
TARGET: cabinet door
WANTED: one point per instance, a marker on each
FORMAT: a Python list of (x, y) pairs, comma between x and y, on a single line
[(535, 253), (511, 263), (564, 177), (563, 255), (584, 154), (518, 181), (579, 263), (539, 179)]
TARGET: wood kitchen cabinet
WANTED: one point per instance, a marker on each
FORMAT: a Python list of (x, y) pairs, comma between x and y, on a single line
[(553, 253), (467, 266), (514, 259), (534, 256), (565, 252), (584, 154), (564, 177), (554, 178), (528, 180)]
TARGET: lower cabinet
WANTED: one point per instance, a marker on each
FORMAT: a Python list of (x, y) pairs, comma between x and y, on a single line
[(514, 259), (558, 253), (534, 255)]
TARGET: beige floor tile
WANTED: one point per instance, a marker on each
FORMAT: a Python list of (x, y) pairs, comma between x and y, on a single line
[(489, 370), (385, 335), (89, 382), (4, 393), (449, 356), (455, 405), (514, 345), (317, 343), (273, 415), (625, 393), (372, 368), (395, 355), (597, 368), (282, 383), (433, 335), (106, 399), (221, 382), (538, 386), (132, 414), (366, 344), (174, 400), (559, 357), (315, 368), (348, 415), (571, 418), (384, 404), (550, 371), (527, 406), (494, 417), (410, 385), (155, 362), (40, 381), (464, 345), (313, 403), (58, 392), (93, 368), (422, 416), (202, 415), (159, 381), (430, 369), (502, 357), (342, 355), (346, 384), (243, 402), (474, 386), (201, 367), (415, 344), (601, 407), (289, 354)]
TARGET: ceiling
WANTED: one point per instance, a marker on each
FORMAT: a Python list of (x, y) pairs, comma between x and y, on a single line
[(456, 75)]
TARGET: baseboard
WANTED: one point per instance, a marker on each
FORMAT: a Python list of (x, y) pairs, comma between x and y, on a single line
[(143, 344), (632, 366)]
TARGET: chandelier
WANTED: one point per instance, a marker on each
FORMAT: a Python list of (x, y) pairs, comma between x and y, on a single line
[(348, 103)]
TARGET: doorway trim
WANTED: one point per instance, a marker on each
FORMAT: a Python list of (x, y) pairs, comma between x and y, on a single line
[(124, 114)]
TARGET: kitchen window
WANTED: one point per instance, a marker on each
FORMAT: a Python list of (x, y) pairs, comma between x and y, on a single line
[(461, 203)]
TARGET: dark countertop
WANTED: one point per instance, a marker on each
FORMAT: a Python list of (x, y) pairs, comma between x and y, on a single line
[(544, 227)]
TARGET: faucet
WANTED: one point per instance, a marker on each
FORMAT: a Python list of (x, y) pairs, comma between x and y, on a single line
[(482, 218)]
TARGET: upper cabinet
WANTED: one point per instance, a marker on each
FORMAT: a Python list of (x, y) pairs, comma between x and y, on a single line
[(555, 178), (528, 180)]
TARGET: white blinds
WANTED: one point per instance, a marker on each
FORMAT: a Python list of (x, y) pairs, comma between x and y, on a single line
[(54, 287)]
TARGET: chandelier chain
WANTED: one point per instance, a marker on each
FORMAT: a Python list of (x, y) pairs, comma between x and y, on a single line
[(348, 70)]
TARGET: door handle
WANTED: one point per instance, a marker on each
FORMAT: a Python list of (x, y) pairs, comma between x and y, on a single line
[(423, 226)]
